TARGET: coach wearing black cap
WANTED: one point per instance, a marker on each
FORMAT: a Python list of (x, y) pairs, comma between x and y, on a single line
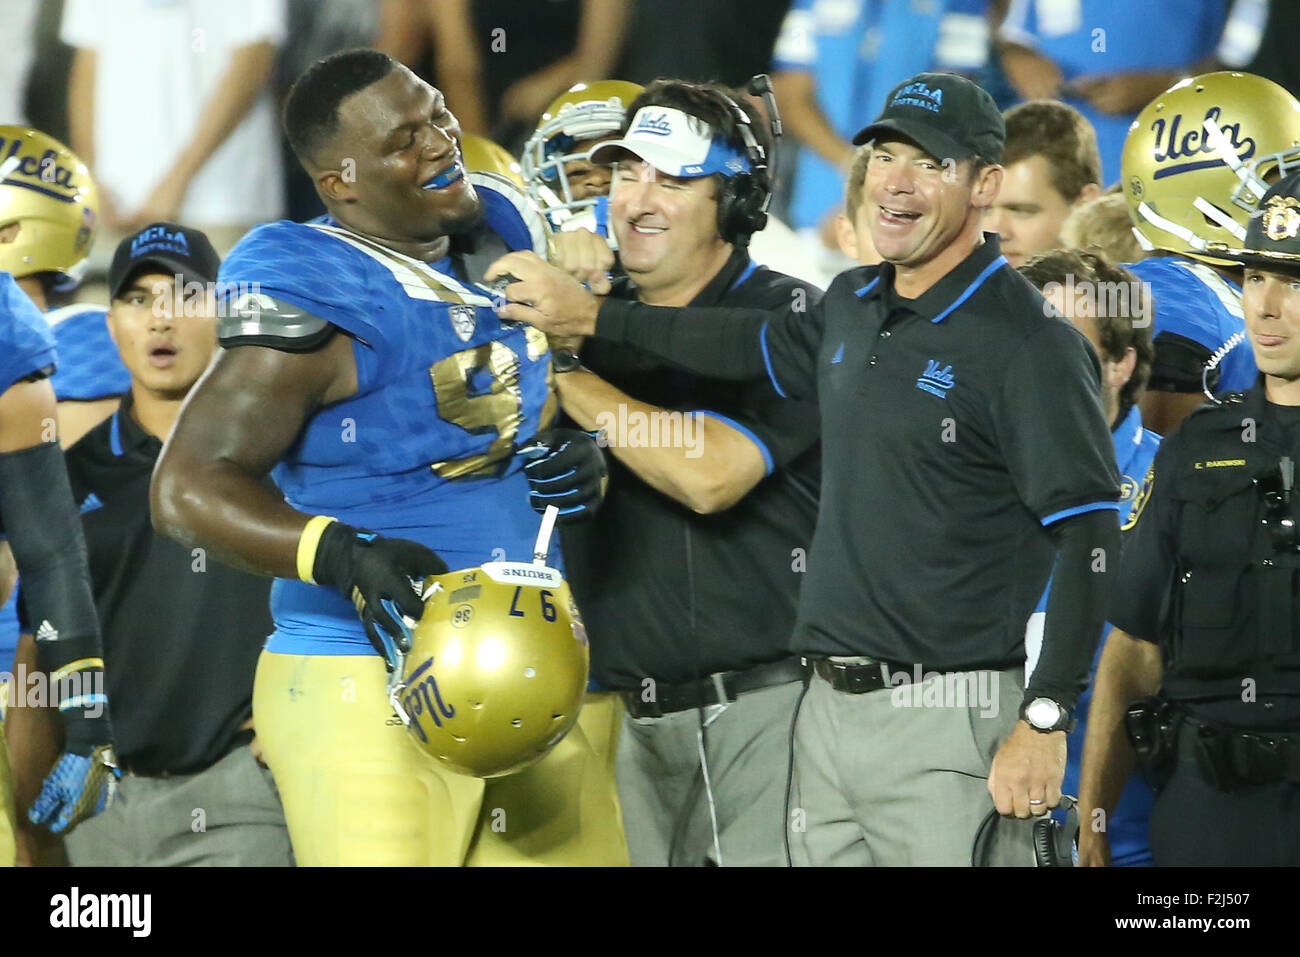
[(966, 455), (1206, 615), (181, 632)]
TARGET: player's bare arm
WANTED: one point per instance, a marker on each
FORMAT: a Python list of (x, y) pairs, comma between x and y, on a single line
[(713, 475), (1130, 669), (209, 487), (1163, 411)]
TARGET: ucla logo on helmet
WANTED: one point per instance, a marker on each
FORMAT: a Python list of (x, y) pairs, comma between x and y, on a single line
[(1183, 143), (46, 173)]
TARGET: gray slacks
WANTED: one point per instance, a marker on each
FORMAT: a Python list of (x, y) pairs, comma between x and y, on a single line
[(670, 804), (899, 776), (226, 815)]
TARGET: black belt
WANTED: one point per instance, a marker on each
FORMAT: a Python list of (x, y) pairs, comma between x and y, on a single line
[(1230, 757), (718, 688), (239, 740), (853, 678)]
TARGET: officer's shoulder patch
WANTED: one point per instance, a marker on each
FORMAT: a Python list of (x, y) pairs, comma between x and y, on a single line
[(1140, 500)]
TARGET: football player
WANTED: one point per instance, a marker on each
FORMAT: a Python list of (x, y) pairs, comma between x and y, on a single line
[(44, 531), (47, 224), (365, 365), (48, 214), (1196, 162), (556, 161)]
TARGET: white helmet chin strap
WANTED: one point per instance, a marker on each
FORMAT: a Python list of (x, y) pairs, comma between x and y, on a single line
[(1212, 212), (1214, 136), (1159, 222), (543, 544)]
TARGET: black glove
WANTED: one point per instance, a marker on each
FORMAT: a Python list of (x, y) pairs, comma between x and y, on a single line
[(566, 468), (382, 577)]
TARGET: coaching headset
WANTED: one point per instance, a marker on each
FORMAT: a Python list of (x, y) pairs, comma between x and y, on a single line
[(1054, 843), (743, 199)]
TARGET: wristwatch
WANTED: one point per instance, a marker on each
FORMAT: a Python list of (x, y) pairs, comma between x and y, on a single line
[(1046, 716), (564, 360)]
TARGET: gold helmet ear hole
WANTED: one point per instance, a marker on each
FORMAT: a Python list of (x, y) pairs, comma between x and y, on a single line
[(557, 717), (530, 672), (516, 722), (476, 705), (458, 739)]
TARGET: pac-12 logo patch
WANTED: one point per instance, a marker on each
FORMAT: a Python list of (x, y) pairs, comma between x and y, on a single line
[(464, 319)]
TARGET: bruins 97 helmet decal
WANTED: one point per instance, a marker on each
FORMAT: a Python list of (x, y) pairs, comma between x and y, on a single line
[(1199, 158), (48, 206), (572, 126), (498, 665)]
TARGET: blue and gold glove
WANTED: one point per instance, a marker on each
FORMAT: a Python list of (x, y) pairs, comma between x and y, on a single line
[(565, 468), (79, 787), (84, 779), (380, 576)]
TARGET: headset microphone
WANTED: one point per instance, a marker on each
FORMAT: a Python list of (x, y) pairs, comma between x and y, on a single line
[(761, 85)]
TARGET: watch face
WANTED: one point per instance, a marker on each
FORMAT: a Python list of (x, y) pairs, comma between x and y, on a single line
[(1043, 712)]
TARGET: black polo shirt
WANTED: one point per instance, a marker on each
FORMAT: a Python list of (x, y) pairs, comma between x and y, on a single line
[(674, 595), (181, 631), (956, 427)]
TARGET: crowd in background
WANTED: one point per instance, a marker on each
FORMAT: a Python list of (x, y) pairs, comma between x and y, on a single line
[(173, 105)]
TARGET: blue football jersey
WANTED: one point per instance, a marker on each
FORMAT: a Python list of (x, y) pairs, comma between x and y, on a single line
[(89, 364), (446, 392), (1193, 301), (26, 343), (1135, 449)]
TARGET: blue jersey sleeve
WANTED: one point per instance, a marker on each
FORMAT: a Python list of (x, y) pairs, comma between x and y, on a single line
[(301, 265), (89, 364), (26, 342)]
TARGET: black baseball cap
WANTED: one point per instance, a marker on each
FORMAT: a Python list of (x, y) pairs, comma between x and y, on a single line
[(1272, 232), (946, 115), (177, 249)]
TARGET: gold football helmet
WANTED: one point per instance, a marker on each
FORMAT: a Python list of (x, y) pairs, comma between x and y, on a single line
[(565, 134), (497, 668), (1199, 158), (48, 192), (481, 155)]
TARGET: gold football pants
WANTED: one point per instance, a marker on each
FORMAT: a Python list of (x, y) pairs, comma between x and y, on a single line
[(357, 791)]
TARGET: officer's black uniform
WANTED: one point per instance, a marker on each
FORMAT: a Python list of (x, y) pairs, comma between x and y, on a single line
[(1213, 574)]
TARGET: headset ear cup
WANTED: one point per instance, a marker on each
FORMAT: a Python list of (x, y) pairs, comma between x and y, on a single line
[(740, 207)]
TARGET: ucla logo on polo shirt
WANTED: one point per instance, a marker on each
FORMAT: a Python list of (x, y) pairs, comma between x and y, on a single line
[(156, 239), (937, 379), (1183, 146), (918, 94), (655, 125)]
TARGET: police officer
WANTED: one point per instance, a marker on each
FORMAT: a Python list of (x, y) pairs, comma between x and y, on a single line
[(1206, 613)]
